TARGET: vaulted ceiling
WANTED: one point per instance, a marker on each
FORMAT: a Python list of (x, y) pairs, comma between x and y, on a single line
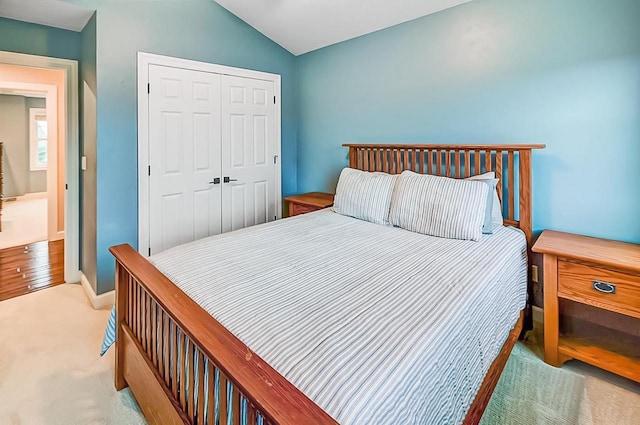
[(53, 13), (301, 26)]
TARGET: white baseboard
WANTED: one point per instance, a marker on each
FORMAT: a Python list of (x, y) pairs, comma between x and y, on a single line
[(97, 301)]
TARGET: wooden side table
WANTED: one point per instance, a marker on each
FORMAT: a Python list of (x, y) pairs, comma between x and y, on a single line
[(601, 279), (307, 202)]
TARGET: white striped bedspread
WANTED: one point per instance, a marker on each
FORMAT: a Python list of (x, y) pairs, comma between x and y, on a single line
[(373, 323)]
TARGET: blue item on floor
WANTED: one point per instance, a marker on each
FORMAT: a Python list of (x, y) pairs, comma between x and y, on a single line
[(109, 333)]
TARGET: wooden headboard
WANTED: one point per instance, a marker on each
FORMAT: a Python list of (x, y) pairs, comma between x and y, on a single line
[(460, 161)]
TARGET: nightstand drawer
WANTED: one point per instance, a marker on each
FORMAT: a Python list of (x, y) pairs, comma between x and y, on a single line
[(297, 209), (308, 202), (599, 287)]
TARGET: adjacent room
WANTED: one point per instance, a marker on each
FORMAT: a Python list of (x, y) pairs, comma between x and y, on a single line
[(340, 212), (33, 165), (23, 134)]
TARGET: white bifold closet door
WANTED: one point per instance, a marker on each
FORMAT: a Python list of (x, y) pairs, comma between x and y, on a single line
[(211, 155), (248, 152), (184, 156)]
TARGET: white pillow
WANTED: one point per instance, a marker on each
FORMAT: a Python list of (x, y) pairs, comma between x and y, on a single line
[(487, 224), (439, 206), (364, 195), (496, 214)]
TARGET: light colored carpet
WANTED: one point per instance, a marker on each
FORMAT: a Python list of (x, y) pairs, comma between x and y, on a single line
[(24, 221), (606, 398), (521, 397), (50, 370), (50, 373)]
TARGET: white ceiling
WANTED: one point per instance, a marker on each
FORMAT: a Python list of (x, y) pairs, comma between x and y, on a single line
[(54, 13), (301, 26)]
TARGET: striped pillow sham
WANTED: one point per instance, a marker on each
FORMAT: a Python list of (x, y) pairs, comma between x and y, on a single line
[(439, 206), (363, 195)]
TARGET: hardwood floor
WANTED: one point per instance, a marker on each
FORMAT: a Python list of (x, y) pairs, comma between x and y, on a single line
[(31, 267)]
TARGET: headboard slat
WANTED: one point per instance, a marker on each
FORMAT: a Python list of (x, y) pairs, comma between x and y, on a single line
[(467, 163), (498, 170), (511, 184), (406, 165), (395, 158), (387, 161), (447, 166), (487, 161), (372, 158), (525, 192)]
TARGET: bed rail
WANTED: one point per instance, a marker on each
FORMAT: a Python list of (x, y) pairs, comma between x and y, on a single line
[(460, 161), (178, 359)]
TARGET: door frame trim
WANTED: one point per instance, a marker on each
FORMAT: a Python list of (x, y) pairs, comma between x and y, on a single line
[(144, 61), (72, 152)]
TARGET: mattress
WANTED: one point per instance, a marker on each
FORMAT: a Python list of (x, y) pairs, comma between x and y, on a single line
[(373, 323)]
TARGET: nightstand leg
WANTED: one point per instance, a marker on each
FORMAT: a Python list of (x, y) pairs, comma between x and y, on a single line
[(551, 311)]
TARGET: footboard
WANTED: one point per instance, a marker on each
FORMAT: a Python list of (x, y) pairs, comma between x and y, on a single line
[(184, 367)]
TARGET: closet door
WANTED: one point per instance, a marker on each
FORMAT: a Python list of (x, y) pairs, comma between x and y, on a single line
[(184, 153), (248, 152)]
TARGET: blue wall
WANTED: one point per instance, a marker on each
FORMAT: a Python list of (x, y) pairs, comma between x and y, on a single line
[(33, 39), (199, 30), (491, 71), (88, 117), (565, 73)]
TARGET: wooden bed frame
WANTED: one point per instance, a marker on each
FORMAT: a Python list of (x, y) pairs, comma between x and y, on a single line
[(158, 326)]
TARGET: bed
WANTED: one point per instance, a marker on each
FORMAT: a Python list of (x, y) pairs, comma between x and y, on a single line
[(378, 323)]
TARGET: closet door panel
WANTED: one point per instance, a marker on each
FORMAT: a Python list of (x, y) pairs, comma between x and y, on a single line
[(248, 152), (184, 156)]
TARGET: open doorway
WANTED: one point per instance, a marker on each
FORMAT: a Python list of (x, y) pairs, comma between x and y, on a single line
[(39, 180), (26, 145)]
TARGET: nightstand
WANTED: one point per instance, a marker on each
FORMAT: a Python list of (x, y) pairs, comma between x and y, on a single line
[(591, 302), (307, 202)]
